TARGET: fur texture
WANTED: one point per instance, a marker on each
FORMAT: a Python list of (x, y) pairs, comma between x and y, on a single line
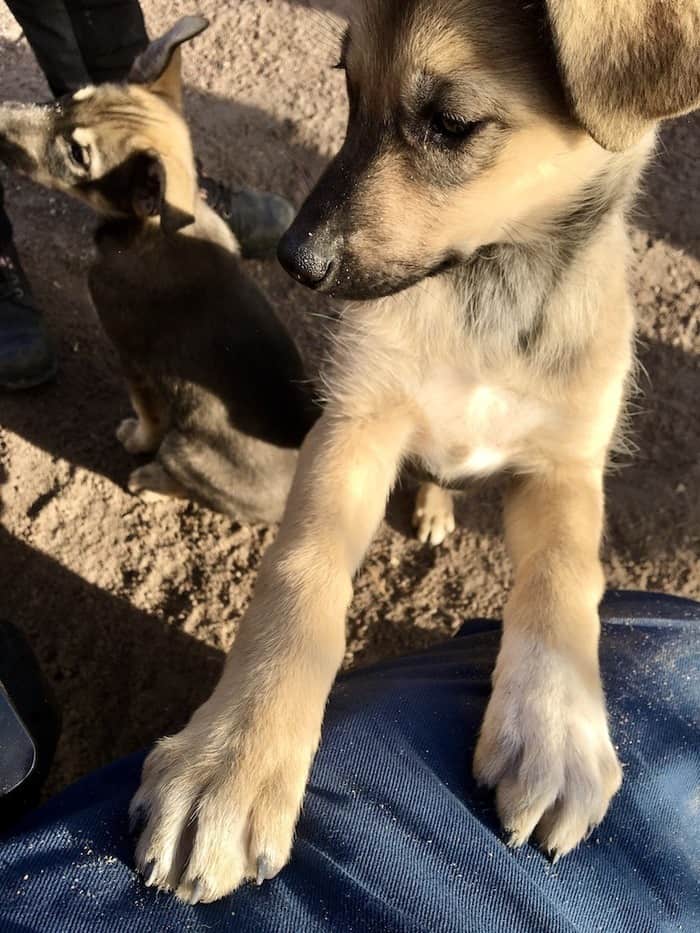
[(216, 383), (477, 228)]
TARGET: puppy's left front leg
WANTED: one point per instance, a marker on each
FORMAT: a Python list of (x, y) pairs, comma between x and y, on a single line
[(222, 797), (544, 743)]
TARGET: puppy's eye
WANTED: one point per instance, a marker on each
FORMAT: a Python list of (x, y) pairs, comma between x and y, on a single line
[(80, 155), (450, 127)]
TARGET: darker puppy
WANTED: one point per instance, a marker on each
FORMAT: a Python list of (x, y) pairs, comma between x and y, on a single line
[(215, 380)]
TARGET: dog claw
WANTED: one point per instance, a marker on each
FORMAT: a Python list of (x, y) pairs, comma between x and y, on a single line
[(149, 873), (265, 870), (197, 892), (554, 855)]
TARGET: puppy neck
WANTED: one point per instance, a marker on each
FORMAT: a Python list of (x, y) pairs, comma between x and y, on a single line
[(508, 291), (145, 234)]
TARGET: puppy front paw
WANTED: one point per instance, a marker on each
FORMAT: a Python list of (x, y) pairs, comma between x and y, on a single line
[(433, 516), (220, 802), (152, 483), (545, 747), (133, 437)]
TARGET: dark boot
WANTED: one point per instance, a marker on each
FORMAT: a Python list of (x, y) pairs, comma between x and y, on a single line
[(26, 355), (257, 218)]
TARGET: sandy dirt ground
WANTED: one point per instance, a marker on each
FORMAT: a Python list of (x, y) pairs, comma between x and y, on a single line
[(131, 606)]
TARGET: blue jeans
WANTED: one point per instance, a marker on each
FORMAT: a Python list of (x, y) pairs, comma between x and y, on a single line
[(395, 836)]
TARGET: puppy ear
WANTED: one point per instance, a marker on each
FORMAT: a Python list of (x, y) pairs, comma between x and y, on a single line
[(149, 193), (158, 66), (627, 63)]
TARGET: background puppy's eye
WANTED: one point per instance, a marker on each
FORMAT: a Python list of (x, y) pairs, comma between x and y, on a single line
[(450, 127), (79, 155)]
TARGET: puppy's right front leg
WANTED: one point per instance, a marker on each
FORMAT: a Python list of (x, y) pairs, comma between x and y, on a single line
[(144, 433), (221, 798)]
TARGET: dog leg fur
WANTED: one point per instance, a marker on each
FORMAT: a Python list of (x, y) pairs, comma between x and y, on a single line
[(544, 743), (242, 762)]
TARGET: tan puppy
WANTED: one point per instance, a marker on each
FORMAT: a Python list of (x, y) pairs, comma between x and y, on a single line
[(475, 217), (216, 382)]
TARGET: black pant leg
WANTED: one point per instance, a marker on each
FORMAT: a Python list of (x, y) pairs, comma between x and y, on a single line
[(110, 34), (79, 42), (5, 225), (50, 32)]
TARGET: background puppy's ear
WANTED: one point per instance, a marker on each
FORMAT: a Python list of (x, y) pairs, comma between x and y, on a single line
[(158, 65), (627, 63), (149, 185)]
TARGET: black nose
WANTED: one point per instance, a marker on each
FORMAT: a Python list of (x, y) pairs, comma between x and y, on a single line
[(308, 257)]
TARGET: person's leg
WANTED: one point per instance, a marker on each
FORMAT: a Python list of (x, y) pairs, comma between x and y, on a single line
[(26, 356), (395, 836), (49, 31), (110, 34), (5, 223)]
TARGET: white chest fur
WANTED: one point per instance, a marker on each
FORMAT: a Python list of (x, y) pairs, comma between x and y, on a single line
[(470, 427)]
